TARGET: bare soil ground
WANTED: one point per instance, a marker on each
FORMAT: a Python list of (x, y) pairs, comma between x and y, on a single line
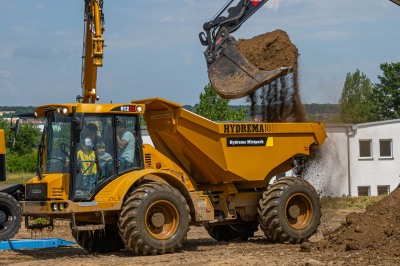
[(201, 249)]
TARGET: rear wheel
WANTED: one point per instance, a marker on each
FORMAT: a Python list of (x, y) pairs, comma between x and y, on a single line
[(289, 211), (230, 232), (154, 219), (10, 216)]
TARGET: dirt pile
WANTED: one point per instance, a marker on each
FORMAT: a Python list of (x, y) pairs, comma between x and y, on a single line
[(279, 100), (270, 50), (377, 229)]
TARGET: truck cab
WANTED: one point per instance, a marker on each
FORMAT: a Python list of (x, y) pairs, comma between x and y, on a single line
[(79, 150)]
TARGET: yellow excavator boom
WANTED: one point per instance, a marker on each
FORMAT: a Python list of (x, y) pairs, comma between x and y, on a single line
[(92, 49)]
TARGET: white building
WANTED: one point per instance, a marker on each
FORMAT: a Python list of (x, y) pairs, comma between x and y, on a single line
[(358, 160)]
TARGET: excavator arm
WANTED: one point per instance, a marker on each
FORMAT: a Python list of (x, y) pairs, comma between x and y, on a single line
[(218, 29), (93, 42), (231, 75), (397, 2)]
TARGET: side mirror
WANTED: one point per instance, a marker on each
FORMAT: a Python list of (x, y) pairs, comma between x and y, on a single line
[(13, 133), (78, 121)]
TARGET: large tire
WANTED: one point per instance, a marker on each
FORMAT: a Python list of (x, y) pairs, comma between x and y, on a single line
[(99, 241), (231, 232), (154, 219), (289, 211), (10, 216)]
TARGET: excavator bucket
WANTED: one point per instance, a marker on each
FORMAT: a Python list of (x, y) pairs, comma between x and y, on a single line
[(232, 76)]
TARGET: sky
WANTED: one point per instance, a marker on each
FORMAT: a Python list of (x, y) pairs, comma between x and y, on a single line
[(153, 50)]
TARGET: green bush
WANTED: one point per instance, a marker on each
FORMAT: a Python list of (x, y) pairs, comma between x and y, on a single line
[(21, 163)]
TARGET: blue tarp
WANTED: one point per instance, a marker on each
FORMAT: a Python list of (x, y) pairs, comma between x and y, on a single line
[(34, 243)]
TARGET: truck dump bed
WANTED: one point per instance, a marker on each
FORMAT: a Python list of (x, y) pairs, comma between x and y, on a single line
[(213, 152)]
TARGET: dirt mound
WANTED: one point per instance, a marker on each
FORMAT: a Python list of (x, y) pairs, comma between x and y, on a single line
[(279, 100), (270, 50), (378, 228)]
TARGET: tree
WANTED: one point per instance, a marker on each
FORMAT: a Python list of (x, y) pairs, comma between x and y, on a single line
[(356, 104), (216, 108), (387, 92), (27, 139), (22, 157)]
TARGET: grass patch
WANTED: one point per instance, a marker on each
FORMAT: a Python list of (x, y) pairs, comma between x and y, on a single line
[(349, 202), (18, 178)]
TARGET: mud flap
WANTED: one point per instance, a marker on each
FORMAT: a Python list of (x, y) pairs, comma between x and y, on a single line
[(232, 76)]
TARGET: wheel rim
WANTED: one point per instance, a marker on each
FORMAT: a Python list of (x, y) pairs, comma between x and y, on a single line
[(162, 219), (299, 211), (6, 217)]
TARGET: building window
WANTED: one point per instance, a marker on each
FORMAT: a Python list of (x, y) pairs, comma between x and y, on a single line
[(383, 190), (365, 149), (364, 191), (385, 148)]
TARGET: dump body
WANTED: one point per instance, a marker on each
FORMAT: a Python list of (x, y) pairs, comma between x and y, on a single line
[(227, 152)]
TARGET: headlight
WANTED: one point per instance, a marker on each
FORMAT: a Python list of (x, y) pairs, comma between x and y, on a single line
[(62, 110), (59, 206)]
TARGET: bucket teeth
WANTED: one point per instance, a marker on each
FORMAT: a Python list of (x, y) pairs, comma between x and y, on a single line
[(232, 76)]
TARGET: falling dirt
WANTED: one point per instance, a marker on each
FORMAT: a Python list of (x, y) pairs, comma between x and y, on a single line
[(280, 100)]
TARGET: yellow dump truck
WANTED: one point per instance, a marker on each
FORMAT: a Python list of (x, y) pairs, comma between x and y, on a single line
[(94, 170)]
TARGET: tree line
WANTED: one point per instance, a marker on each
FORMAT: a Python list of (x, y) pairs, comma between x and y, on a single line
[(362, 101), (16, 110)]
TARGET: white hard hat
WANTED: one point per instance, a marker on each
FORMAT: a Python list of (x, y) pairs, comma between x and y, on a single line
[(88, 142)]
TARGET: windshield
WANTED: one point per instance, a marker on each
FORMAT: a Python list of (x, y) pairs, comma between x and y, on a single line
[(107, 146), (95, 153), (54, 148)]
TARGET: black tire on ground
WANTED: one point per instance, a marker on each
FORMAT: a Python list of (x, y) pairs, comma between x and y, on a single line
[(289, 211), (99, 241), (231, 232), (10, 216), (154, 219)]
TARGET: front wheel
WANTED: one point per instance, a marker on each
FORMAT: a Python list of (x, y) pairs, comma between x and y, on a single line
[(154, 219), (10, 216), (289, 211)]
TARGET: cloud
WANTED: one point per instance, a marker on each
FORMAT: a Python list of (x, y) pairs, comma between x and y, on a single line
[(4, 73), (38, 52), (167, 19), (275, 4), (6, 52), (187, 58), (9, 91), (326, 35)]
